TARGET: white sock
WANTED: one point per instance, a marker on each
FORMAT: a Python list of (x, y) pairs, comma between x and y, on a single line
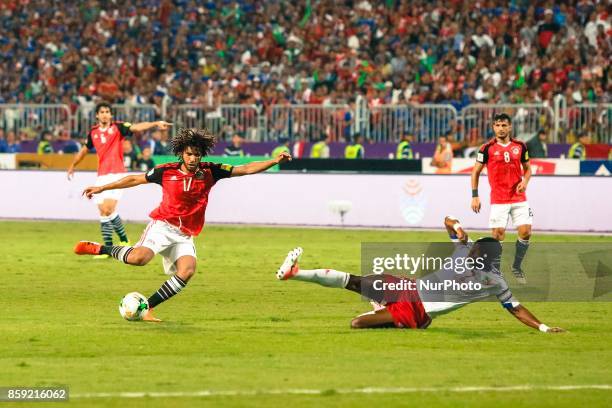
[(324, 277)]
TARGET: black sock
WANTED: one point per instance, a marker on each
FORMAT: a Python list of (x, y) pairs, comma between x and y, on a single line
[(106, 227), (496, 263), (119, 229), (521, 249), (170, 288), (120, 253), (364, 285)]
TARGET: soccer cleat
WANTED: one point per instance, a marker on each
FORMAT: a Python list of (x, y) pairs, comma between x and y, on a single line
[(290, 266), (87, 248), (519, 275), (125, 243), (148, 317)]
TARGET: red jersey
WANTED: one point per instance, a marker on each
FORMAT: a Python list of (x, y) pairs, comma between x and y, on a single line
[(185, 195), (504, 169), (109, 146)]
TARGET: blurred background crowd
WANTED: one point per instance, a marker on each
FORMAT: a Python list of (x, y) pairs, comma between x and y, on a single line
[(325, 52)]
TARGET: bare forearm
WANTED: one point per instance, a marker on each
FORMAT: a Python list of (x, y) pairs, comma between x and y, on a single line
[(126, 182), (143, 126), (525, 316), (475, 177), (527, 174), (79, 157), (254, 167)]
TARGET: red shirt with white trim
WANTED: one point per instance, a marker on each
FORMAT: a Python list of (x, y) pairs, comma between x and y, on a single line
[(108, 143), (185, 195), (504, 169)]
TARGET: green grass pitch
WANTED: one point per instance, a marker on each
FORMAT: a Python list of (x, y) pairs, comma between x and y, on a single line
[(236, 330)]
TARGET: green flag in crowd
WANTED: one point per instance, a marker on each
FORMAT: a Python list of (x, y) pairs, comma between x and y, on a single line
[(307, 14)]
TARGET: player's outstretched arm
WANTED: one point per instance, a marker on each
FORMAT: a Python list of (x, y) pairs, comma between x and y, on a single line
[(475, 175), (259, 166), (126, 182), (77, 159), (455, 229), (144, 126), (528, 319)]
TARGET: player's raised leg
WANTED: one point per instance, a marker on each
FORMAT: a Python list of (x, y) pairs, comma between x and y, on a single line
[(324, 277), (137, 256), (338, 279)]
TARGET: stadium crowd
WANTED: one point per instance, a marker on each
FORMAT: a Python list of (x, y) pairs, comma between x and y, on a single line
[(270, 52)]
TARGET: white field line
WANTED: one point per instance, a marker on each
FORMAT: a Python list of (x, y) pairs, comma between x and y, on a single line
[(372, 390)]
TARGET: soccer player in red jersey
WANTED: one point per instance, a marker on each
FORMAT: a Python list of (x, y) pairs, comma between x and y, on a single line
[(509, 172), (411, 303), (107, 138), (180, 216)]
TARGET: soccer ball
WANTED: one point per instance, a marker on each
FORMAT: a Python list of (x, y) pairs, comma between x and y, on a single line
[(133, 306)]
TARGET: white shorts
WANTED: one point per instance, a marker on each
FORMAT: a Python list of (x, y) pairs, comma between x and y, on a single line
[(500, 214), (108, 194), (168, 241)]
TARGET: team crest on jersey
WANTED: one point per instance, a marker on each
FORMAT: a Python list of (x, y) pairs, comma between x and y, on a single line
[(515, 150), (111, 130), (199, 175)]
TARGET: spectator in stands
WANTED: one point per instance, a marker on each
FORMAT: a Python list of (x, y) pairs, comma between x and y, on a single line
[(130, 158), (235, 148), (404, 148), (443, 156), (355, 150), (578, 149), (69, 145), (13, 145), (145, 162), (320, 150), (44, 145), (162, 146), (3, 143), (537, 145), (428, 51)]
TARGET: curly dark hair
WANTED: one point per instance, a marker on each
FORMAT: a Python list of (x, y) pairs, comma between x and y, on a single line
[(201, 139)]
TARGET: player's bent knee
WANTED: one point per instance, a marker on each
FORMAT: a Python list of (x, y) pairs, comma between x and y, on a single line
[(186, 273), (138, 258), (499, 234)]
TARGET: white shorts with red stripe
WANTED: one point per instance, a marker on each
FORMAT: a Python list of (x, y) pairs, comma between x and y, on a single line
[(168, 241)]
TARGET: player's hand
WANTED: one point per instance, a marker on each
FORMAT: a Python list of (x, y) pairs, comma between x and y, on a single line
[(476, 204), (90, 191), (521, 187), (283, 157), (70, 172), (162, 125), (555, 330)]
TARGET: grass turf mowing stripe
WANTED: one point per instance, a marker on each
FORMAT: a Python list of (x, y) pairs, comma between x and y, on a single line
[(373, 390)]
